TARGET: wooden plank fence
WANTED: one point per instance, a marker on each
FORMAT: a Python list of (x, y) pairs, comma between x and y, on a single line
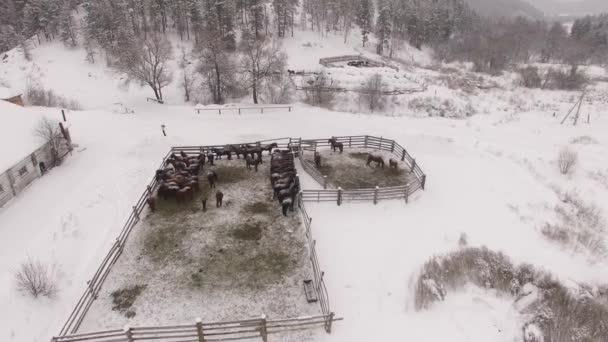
[(366, 195), (16, 179), (221, 331), (241, 109)]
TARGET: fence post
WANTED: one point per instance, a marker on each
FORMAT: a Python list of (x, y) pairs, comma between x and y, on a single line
[(289, 108), (376, 194), (403, 155), (219, 111), (365, 142), (199, 330), (393, 146), (328, 322), (149, 190), (380, 145), (339, 195), (263, 329), (128, 333), (262, 110), (423, 181), (413, 165), (324, 182), (135, 212), (407, 192), (11, 181), (350, 141), (239, 110), (63, 115)]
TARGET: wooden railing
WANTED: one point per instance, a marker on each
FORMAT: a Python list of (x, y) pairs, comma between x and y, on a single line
[(372, 195), (240, 109), (257, 328)]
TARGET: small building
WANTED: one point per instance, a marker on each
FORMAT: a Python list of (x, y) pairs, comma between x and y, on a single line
[(8, 95)]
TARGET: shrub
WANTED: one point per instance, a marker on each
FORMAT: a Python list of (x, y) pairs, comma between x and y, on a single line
[(567, 80), (566, 160), (530, 77), (35, 278), (38, 96), (371, 92), (317, 93), (557, 314), (436, 106), (579, 225)]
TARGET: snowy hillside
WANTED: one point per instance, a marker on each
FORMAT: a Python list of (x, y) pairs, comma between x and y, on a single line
[(490, 148)]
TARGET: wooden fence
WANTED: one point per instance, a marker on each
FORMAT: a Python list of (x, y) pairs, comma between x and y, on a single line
[(14, 180), (248, 329), (326, 62), (241, 109), (222, 331), (369, 195)]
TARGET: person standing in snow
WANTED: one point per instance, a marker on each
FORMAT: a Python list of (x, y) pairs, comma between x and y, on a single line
[(162, 127)]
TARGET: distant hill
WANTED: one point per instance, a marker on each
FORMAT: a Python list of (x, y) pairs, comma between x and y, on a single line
[(506, 8)]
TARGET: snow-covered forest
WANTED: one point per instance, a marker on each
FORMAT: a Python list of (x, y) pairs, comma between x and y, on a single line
[(505, 113)]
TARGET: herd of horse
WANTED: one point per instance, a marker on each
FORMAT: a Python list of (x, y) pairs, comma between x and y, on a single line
[(376, 158), (284, 179)]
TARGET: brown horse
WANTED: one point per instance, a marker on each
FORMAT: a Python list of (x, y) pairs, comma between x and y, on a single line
[(393, 164), (376, 159), (250, 161)]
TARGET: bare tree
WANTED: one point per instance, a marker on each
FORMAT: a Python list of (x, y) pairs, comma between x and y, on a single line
[(216, 65), (372, 92), (48, 131), (35, 278), (146, 62), (187, 81), (261, 60)]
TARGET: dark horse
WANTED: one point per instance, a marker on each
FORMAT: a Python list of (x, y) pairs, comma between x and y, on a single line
[(269, 147), (250, 161), (317, 160), (376, 159), (219, 198), (336, 145)]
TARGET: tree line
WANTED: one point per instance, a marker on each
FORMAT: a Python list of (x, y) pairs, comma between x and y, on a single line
[(236, 41)]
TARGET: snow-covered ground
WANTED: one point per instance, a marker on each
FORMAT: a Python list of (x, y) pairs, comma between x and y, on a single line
[(492, 176)]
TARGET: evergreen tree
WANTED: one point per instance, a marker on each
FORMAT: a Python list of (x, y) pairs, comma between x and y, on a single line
[(364, 14), (383, 25)]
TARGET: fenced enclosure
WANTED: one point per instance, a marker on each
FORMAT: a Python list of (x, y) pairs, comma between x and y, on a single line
[(326, 62), (14, 180), (241, 110), (220, 331), (363, 195)]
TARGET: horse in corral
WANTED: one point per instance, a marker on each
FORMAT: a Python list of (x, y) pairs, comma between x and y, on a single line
[(336, 145), (269, 147), (212, 178), (219, 198), (393, 164), (317, 159), (184, 194), (285, 205), (376, 159), (237, 150), (183, 154), (210, 158), (250, 161)]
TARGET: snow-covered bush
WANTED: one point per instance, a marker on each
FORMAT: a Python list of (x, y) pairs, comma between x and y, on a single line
[(35, 278), (579, 225), (530, 77), (555, 312), (584, 140), (566, 160), (442, 107), (317, 93), (573, 79), (371, 92), (38, 96)]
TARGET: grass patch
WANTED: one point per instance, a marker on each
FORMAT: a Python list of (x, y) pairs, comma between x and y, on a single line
[(248, 231), (258, 208), (229, 173), (163, 242), (359, 155), (123, 299)]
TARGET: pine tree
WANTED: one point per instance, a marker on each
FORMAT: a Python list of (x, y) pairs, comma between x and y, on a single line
[(383, 25), (364, 14), (66, 25)]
